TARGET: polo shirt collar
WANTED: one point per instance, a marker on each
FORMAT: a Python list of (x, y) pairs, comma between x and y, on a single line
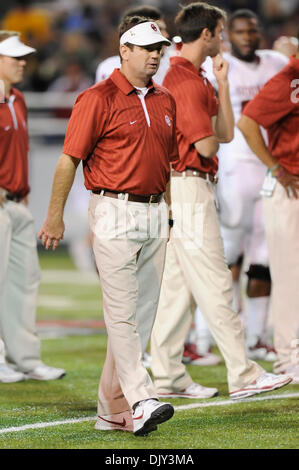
[(294, 63), (124, 85), (177, 60)]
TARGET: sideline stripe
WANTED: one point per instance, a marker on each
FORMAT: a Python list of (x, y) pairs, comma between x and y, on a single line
[(177, 408)]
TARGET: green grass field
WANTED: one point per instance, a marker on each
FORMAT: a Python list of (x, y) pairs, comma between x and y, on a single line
[(260, 423)]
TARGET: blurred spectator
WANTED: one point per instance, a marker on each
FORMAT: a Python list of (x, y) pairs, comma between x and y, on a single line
[(33, 23)]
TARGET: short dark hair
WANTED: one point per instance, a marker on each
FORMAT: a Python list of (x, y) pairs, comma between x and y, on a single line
[(144, 10), (195, 17), (128, 22), (241, 13)]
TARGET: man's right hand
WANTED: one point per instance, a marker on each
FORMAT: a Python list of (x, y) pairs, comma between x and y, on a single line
[(289, 181), (51, 232)]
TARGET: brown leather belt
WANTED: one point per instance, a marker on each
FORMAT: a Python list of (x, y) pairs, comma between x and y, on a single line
[(191, 172), (154, 198)]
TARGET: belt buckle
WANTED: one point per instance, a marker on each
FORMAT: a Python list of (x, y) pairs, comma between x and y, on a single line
[(121, 195), (195, 173)]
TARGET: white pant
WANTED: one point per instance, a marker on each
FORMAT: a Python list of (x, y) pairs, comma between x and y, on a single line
[(195, 267), (241, 212), (129, 242), (282, 227), (19, 282)]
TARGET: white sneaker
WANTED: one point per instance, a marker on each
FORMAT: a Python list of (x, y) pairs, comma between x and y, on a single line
[(115, 422), (146, 360), (293, 372), (8, 375), (44, 372), (193, 391), (264, 383), (148, 414)]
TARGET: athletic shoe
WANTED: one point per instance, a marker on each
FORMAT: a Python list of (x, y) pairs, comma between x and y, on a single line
[(193, 391), (262, 351), (146, 360), (43, 372), (191, 357), (148, 414), (264, 383), (293, 372), (115, 422), (8, 375)]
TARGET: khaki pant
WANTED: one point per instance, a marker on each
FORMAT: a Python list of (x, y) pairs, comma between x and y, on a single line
[(129, 248), (19, 283), (196, 268), (282, 229)]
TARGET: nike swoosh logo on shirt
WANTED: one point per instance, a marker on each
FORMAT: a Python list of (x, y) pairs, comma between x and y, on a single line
[(7, 128), (114, 422), (133, 122)]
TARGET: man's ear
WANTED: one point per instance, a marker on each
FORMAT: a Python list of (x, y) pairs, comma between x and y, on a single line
[(124, 52), (206, 34)]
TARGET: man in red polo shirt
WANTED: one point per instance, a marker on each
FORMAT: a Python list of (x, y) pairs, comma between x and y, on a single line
[(123, 129), (276, 108), (19, 268), (195, 265)]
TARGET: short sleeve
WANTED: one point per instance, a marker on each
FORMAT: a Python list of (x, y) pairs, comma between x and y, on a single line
[(200, 104), (86, 124), (272, 103)]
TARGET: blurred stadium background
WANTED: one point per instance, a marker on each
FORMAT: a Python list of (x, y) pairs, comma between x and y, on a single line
[(72, 37)]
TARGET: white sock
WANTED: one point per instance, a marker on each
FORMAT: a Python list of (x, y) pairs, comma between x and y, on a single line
[(257, 318)]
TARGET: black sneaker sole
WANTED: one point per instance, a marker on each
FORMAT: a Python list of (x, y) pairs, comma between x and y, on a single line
[(162, 414)]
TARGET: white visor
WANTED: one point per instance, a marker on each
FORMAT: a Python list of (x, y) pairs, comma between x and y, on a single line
[(13, 47), (144, 34)]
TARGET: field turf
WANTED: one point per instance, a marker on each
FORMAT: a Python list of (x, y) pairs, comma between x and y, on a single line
[(262, 423)]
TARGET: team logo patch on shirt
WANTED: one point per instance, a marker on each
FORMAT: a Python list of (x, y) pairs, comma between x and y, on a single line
[(167, 119), (154, 27)]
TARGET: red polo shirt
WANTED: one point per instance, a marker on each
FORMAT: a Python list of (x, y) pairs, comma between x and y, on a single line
[(14, 144), (196, 104), (276, 108), (120, 150)]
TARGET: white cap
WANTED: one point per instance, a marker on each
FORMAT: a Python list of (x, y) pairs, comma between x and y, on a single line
[(144, 34), (13, 47)]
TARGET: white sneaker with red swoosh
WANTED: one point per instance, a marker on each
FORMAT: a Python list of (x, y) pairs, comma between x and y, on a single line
[(264, 383), (148, 414), (115, 422)]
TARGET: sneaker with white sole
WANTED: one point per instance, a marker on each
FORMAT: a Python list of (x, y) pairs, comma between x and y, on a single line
[(193, 391), (293, 372), (115, 422), (8, 375), (191, 357), (264, 383), (43, 372), (148, 414)]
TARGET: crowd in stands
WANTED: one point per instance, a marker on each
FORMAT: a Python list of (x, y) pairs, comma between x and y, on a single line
[(73, 36)]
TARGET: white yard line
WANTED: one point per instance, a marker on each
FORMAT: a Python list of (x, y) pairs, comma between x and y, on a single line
[(177, 408)]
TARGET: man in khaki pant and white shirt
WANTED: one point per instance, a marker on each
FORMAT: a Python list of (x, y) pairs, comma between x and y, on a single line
[(195, 264), (124, 131)]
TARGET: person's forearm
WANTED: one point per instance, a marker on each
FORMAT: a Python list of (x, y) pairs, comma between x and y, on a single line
[(224, 126), (62, 183), (252, 134)]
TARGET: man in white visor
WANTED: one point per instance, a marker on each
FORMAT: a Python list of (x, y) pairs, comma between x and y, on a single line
[(19, 268)]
